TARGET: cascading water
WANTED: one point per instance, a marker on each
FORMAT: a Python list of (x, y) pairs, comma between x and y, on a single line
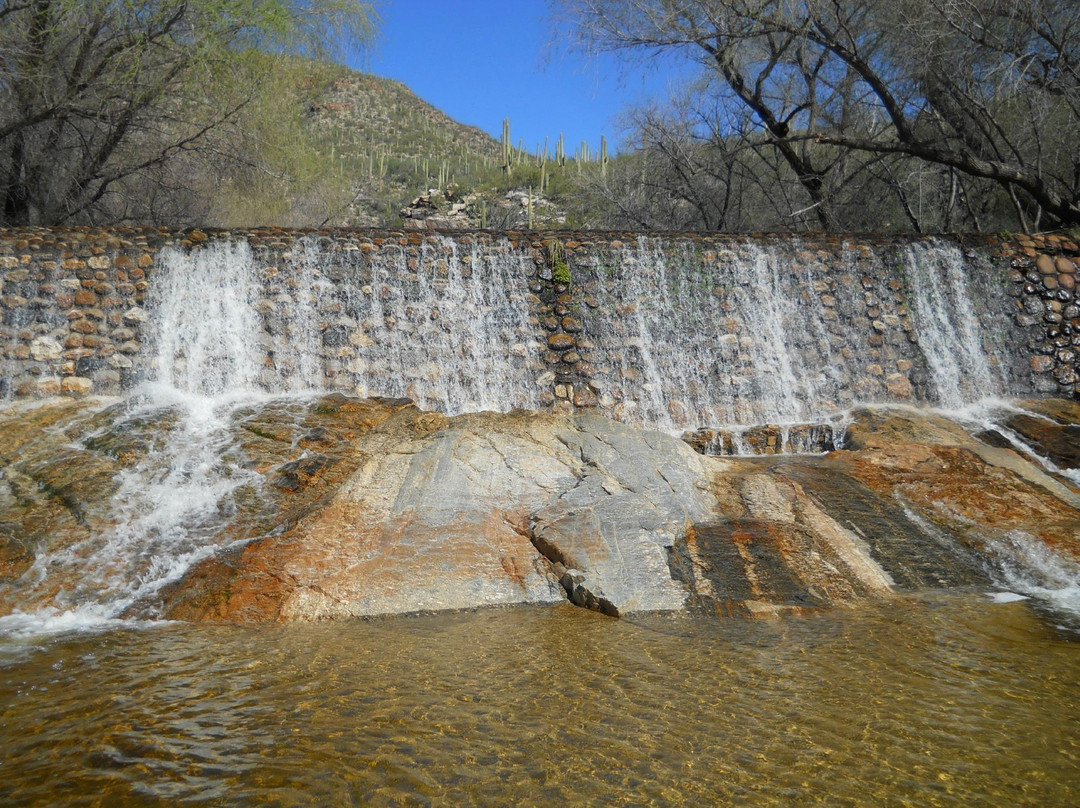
[(447, 327), (754, 333), (205, 321), (1029, 568), (773, 333), (170, 509), (717, 344), (963, 358)]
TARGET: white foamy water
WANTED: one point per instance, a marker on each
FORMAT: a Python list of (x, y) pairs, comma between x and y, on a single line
[(227, 330), (771, 333), (960, 351), (992, 414), (1029, 567), (172, 505), (169, 512), (204, 332), (444, 324), (735, 343), (1006, 597), (447, 327)]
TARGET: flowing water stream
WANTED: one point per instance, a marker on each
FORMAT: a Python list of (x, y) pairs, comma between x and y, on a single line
[(944, 700), (768, 333), (762, 333), (761, 337)]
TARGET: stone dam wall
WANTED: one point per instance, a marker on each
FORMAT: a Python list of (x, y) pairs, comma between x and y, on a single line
[(675, 330)]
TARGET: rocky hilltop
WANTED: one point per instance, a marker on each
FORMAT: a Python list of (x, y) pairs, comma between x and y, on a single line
[(347, 507)]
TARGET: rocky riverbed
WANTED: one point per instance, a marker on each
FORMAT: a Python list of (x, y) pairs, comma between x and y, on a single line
[(336, 507)]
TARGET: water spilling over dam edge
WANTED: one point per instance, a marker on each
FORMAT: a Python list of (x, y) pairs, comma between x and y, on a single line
[(677, 331)]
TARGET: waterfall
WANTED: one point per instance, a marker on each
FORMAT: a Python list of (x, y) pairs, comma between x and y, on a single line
[(962, 356), (171, 508), (754, 332), (723, 344), (677, 333), (772, 332), (227, 328), (204, 324), (447, 327)]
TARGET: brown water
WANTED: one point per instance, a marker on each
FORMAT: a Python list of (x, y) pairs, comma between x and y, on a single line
[(941, 700)]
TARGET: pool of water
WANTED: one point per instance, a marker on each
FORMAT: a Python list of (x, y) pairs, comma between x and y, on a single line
[(935, 700)]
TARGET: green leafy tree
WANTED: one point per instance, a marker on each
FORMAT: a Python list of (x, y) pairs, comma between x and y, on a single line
[(105, 104)]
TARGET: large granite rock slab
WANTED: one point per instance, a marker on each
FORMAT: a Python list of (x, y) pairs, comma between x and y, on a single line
[(483, 509)]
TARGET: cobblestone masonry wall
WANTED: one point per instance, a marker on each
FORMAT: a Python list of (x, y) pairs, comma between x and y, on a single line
[(74, 305)]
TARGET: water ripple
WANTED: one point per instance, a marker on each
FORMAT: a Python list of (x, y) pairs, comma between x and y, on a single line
[(940, 700)]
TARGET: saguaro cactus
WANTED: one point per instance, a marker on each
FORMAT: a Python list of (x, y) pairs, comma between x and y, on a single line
[(507, 149)]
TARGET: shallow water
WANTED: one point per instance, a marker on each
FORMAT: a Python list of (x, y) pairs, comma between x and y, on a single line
[(937, 700)]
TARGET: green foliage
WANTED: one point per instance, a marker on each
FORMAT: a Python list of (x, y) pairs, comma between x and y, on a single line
[(555, 255), (292, 176), (345, 148), (222, 113), (117, 111)]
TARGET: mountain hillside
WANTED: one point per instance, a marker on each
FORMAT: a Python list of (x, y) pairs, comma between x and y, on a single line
[(370, 111), (342, 148)]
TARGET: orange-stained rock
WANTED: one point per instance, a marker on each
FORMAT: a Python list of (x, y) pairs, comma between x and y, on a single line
[(976, 491), (352, 507), (1045, 265), (450, 514)]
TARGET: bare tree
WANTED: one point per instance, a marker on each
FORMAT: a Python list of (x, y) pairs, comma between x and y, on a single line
[(987, 90), (102, 101)]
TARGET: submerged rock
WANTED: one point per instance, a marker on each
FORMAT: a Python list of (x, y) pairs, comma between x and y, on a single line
[(340, 507), (53, 494)]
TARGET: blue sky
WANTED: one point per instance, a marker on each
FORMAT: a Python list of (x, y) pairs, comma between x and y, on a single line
[(480, 61)]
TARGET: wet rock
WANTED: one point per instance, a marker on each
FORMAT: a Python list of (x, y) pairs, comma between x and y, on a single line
[(976, 492), (372, 506), (52, 494), (454, 513), (809, 438), (993, 437), (560, 342), (773, 549), (1041, 363), (897, 385), (1053, 431), (76, 386), (44, 349), (711, 442)]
